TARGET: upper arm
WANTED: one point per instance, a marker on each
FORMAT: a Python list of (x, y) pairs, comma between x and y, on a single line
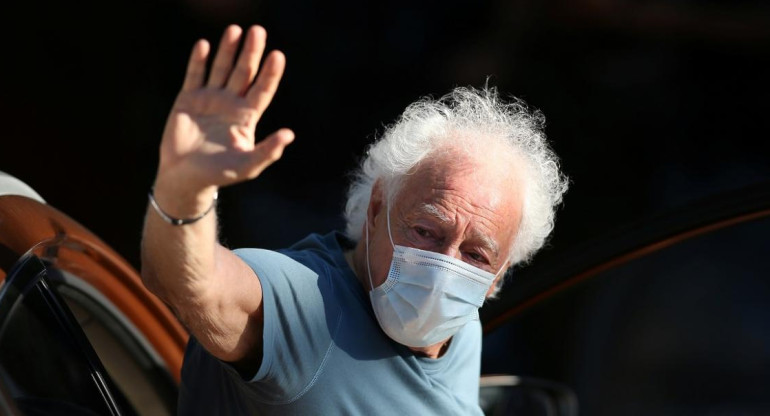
[(225, 313), (273, 318), (301, 313)]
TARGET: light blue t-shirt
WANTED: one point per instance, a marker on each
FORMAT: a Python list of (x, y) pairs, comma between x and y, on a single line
[(324, 352)]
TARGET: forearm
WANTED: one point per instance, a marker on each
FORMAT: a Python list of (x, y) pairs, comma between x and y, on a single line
[(208, 142), (187, 268), (178, 262)]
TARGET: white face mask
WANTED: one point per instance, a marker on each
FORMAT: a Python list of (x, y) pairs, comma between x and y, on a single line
[(427, 296)]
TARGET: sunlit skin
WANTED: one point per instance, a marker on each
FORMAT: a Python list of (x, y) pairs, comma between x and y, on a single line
[(464, 206), (209, 142)]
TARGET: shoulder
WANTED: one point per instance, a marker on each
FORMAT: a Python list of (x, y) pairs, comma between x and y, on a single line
[(328, 248), (312, 250)]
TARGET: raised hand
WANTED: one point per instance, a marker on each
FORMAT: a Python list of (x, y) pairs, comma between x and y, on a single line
[(208, 140)]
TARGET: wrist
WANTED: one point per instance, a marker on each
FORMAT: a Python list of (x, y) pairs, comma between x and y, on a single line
[(180, 221), (178, 200)]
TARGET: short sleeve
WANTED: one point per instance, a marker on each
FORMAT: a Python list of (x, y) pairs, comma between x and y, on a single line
[(301, 315)]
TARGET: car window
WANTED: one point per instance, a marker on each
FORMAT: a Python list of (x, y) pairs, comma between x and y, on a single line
[(46, 363), (125, 353), (682, 330)]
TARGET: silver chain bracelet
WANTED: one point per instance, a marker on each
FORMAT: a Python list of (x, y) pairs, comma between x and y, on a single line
[(179, 221)]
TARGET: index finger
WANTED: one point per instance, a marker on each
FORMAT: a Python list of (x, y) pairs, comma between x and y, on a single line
[(196, 66)]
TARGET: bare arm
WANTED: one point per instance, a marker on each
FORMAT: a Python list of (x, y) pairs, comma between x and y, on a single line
[(208, 143)]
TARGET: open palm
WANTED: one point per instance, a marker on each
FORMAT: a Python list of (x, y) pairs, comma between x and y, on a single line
[(209, 135)]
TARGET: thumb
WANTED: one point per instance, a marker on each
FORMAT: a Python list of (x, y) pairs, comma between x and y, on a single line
[(269, 150)]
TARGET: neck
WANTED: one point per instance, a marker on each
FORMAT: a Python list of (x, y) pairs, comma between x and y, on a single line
[(432, 351), (357, 261)]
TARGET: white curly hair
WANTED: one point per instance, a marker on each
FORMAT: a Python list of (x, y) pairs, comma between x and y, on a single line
[(430, 125)]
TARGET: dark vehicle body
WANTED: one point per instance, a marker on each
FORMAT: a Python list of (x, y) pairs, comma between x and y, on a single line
[(666, 316)]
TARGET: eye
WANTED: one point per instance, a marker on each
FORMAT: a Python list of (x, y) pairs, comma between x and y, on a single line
[(422, 232), (477, 257), (424, 237)]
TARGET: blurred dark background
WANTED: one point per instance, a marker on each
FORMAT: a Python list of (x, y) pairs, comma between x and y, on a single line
[(651, 105)]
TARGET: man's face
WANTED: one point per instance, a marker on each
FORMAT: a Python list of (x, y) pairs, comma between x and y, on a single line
[(465, 207)]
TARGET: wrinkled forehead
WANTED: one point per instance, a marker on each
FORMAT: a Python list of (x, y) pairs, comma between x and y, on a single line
[(492, 175), (487, 185)]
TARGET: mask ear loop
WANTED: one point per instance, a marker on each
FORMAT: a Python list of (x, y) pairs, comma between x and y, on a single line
[(366, 231), (500, 270), (368, 268), (389, 234)]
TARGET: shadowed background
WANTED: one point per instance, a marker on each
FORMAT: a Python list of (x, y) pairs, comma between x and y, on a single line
[(649, 104)]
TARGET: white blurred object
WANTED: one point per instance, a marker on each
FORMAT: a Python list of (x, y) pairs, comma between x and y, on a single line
[(10, 185)]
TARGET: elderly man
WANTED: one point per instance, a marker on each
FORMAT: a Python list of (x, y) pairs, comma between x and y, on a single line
[(381, 319)]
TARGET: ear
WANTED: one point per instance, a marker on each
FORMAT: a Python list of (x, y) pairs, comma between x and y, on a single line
[(376, 204)]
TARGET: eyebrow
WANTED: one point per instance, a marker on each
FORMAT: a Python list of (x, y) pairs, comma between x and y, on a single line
[(486, 240), (431, 209)]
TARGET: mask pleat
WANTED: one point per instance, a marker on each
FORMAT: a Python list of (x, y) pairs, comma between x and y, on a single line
[(428, 296)]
